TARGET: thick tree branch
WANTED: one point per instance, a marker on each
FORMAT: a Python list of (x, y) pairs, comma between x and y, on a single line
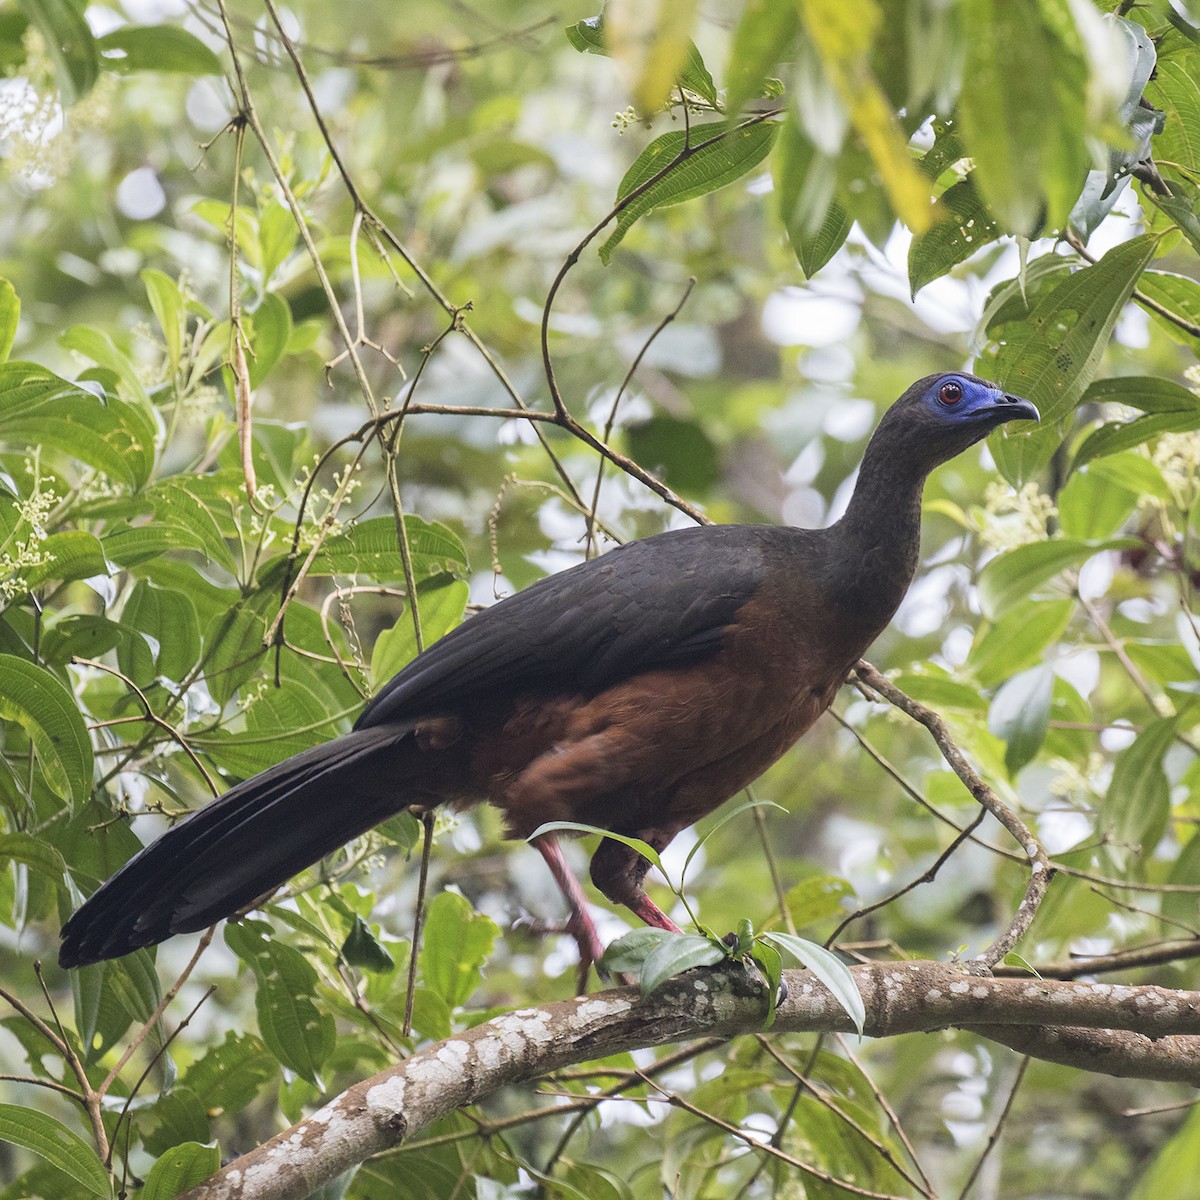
[(1148, 1032)]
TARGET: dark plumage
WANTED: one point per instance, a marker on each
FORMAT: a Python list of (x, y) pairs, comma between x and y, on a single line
[(635, 692)]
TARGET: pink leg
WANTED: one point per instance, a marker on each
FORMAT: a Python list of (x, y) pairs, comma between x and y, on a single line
[(642, 906), (580, 924)]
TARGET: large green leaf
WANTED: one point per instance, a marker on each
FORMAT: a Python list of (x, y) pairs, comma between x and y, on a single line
[(828, 968), (157, 48), (1023, 109), (70, 43), (37, 408), (725, 154), (180, 1168), (1052, 356), (47, 712), (53, 1141), (964, 226), (295, 1030), (70, 554), (457, 943), (1020, 715), (1169, 408), (370, 549), (1138, 801), (441, 609), (10, 313), (1016, 574), (762, 38)]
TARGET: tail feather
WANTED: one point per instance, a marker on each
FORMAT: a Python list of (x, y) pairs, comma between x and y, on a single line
[(242, 846)]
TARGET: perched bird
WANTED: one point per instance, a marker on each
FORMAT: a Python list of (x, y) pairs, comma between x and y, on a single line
[(635, 692)]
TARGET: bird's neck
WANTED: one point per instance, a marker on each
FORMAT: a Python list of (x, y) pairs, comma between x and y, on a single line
[(876, 544)]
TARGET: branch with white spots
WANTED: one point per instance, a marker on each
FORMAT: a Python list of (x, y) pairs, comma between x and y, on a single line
[(1144, 1032)]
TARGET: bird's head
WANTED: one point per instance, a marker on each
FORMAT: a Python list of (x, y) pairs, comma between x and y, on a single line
[(941, 415)]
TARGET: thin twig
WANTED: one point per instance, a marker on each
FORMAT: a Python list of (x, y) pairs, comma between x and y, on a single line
[(994, 1137), (1041, 870), (926, 876), (152, 717), (419, 919), (173, 991), (882, 1101), (677, 1101)]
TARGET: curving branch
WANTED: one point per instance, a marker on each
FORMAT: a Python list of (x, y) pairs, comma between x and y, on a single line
[(1040, 869), (1142, 1032)]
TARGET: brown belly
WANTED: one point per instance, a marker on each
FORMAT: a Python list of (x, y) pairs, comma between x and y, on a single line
[(656, 752)]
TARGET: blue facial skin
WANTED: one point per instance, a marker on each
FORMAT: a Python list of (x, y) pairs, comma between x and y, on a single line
[(965, 399)]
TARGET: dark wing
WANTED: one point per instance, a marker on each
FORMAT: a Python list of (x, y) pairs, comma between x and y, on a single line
[(661, 601)]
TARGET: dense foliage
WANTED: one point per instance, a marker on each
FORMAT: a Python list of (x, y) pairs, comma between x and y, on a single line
[(263, 268)]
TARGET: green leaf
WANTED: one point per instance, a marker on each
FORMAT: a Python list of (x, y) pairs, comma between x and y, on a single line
[(441, 609), (456, 944), (36, 854), (724, 155), (1137, 804), (1178, 294), (587, 36), (70, 43), (10, 313), (177, 1117), (369, 548), (157, 48), (643, 848), (363, 949), (180, 1168), (763, 37), (1169, 408), (166, 301), (71, 554), (300, 1035), (1016, 574), (1090, 506), (277, 234), (678, 952), (169, 618), (1173, 1169), (962, 227), (47, 712), (770, 962), (232, 1073), (235, 654), (828, 968), (1018, 639), (37, 408), (1175, 89), (53, 1141), (270, 329), (1023, 110), (816, 899), (817, 224), (1020, 715), (627, 954), (1051, 357)]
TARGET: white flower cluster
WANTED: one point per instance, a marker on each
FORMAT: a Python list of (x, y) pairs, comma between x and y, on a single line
[(22, 551), (1016, 518)]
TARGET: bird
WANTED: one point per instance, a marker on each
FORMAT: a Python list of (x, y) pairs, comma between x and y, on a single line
[(635, 692)]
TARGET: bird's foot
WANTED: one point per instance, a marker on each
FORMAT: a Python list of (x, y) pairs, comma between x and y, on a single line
[(645, 908)]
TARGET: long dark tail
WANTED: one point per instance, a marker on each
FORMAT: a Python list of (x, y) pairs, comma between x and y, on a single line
[(243, 845)]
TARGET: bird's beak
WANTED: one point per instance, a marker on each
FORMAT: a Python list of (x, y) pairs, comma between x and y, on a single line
[(1014, 408)]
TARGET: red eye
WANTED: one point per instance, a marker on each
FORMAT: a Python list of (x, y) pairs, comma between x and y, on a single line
[(950, 393)]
